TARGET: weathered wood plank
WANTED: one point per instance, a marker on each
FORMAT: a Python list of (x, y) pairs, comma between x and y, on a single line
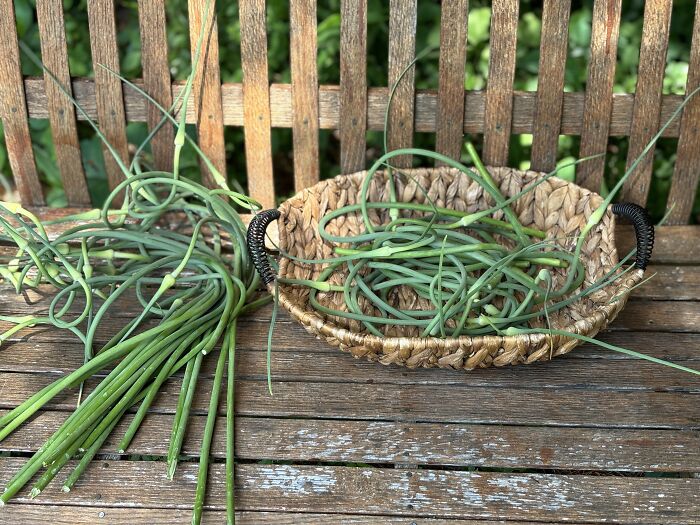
[(109, 100), (386, 442), (686, 172), (329, 107), (64, 129), (13, 111), (647, 102), (353, 85), (453, 54), (409, 492), (413, 402), (206, 92), (402, 48), (550, 83), (156, 77), (305, 103), (83, 515), (306, 364), (256, 102), (605, 31), (498, 113)]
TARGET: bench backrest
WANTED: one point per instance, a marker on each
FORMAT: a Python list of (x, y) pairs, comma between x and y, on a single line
[(353, 107)]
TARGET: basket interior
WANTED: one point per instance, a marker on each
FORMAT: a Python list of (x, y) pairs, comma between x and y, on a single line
[(555, 206)]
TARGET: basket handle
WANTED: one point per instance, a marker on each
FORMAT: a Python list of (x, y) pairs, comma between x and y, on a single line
[(643, 228), (256, 243)]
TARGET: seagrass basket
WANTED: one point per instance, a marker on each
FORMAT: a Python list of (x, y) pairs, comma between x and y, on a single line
[(555, 206)]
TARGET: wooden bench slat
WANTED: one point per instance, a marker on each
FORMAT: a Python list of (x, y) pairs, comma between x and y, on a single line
[(206, 92), (386, 442), (304, 90), (86, 515), (433, 493), (329, 104), (64, 129), (412, 402), (13, 111), (453, 55), (605, 31), (498, 111), (686, 172), (403, 18), (352, 124), (256, 102), (647, 100), (156, 78), (550, 83), (302, 362), (109, 100)]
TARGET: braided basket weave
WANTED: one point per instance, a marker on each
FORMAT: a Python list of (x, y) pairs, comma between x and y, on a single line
[(557, 207)]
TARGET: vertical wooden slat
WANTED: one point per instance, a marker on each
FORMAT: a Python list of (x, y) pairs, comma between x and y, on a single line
[(108, 88), (303, 48), (206, 91), (599, 91), (550, 83), (647, 99), (450, 101), (402, 50), (64, 128), (353, 85), (256, 102), (156, 77), (498, 113), (13, 110), (687, 171)]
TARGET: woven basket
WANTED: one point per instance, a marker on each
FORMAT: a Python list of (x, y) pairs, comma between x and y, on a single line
[(557, 207)]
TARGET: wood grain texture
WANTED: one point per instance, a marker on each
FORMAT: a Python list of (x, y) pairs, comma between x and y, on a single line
[(13, 111), (156, 78), (352, 123), (64, 129), (86, 515), (550, 83), (206, 92), (305, 103), (687, 170), (450, 99), (377, 97), (498, 111), (256, 102), (402, 50), (388, 443), (605, 31), (108, 88), (647, 100), (397, 492)]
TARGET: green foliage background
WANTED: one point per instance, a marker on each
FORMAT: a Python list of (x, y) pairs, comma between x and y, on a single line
[(328, 68)]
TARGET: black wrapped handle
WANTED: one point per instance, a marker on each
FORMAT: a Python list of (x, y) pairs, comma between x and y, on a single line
[(256, 243), (643, 227)]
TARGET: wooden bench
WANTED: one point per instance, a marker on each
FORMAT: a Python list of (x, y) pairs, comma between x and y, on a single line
[(589, 437)]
